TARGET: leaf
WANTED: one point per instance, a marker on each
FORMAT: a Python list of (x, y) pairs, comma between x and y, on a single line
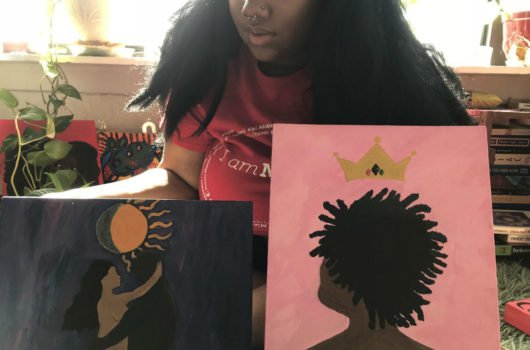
[(8, 98), (63, 179), (39, 158), (62, 122), (33, 114), (30, 156), (9, 143), (69, 91), (24, 110), (56, 182), (31, 134), (56, 103), (41, 192), (57, 149), (66, 178), (27, 191), (50, 128), (49, 69)]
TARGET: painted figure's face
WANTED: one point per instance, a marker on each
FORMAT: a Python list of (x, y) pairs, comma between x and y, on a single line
[(276, 31), (112, 279), (332, 295)]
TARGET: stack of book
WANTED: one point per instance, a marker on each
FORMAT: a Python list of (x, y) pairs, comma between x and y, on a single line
[(509, 140), (510, 171), (512, 232)]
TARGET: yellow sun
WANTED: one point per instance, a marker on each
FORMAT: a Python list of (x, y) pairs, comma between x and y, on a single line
[(128, 228)]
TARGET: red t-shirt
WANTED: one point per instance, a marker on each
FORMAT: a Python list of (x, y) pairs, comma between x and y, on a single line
[(237, 143)]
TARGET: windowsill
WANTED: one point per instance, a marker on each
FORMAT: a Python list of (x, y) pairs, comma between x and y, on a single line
[(133, 61), (122, 61), (493, 70), (139, 61)]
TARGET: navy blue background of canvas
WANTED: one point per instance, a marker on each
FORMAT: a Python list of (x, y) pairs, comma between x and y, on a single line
[(47, 245)]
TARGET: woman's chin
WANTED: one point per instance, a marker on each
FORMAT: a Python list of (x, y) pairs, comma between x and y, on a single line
[(263, 54)]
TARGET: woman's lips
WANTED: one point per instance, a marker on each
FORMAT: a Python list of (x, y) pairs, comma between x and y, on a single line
[(260, 36)]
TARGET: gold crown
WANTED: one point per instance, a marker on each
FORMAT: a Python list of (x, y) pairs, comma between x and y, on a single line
[(375, 164)]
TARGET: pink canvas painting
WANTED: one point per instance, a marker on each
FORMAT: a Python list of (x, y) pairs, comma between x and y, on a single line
[(381, 237)]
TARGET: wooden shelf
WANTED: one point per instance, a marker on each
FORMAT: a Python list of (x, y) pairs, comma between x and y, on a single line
[(485, 70), (121, 61), (492, 70)]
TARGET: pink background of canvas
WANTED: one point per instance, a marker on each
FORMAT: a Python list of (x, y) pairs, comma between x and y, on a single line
[(450, 173)]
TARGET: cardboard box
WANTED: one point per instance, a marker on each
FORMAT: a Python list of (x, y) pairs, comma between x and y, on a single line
[(517, 314)]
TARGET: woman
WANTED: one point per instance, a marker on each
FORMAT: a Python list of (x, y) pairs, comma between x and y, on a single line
[(150, 319), (97, 306), (111, 307), (230, 69)]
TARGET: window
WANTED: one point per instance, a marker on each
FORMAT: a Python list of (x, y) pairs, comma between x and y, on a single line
[(133, 22), (455, 27), (19, 19)]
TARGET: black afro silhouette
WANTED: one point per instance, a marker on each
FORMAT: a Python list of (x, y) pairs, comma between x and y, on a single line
[(383, 250)]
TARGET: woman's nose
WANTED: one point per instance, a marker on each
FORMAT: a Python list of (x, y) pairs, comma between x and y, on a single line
[(255, 8)]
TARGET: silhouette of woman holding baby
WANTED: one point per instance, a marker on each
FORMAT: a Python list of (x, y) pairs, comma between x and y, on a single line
[(380, 255), (139, 319)]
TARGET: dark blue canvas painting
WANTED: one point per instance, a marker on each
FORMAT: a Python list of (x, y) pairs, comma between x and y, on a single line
[(125, 274)]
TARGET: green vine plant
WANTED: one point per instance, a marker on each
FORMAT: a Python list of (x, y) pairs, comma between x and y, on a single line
[(35, 145)]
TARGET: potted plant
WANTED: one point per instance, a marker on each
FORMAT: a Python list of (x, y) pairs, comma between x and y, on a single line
[(92, 21), (34, 157), (34, 149), (516, 32)]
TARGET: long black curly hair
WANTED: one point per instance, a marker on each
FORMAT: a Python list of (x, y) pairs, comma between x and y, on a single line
[(383, 249), (367, 67), (83, 314)]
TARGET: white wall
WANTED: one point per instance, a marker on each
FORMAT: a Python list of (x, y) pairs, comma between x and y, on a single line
[(506, 82), (105, 84)]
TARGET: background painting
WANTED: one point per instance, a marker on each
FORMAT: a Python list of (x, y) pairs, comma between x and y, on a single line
[(83, 156), (199, 297), (123, 155), (447, 167)]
